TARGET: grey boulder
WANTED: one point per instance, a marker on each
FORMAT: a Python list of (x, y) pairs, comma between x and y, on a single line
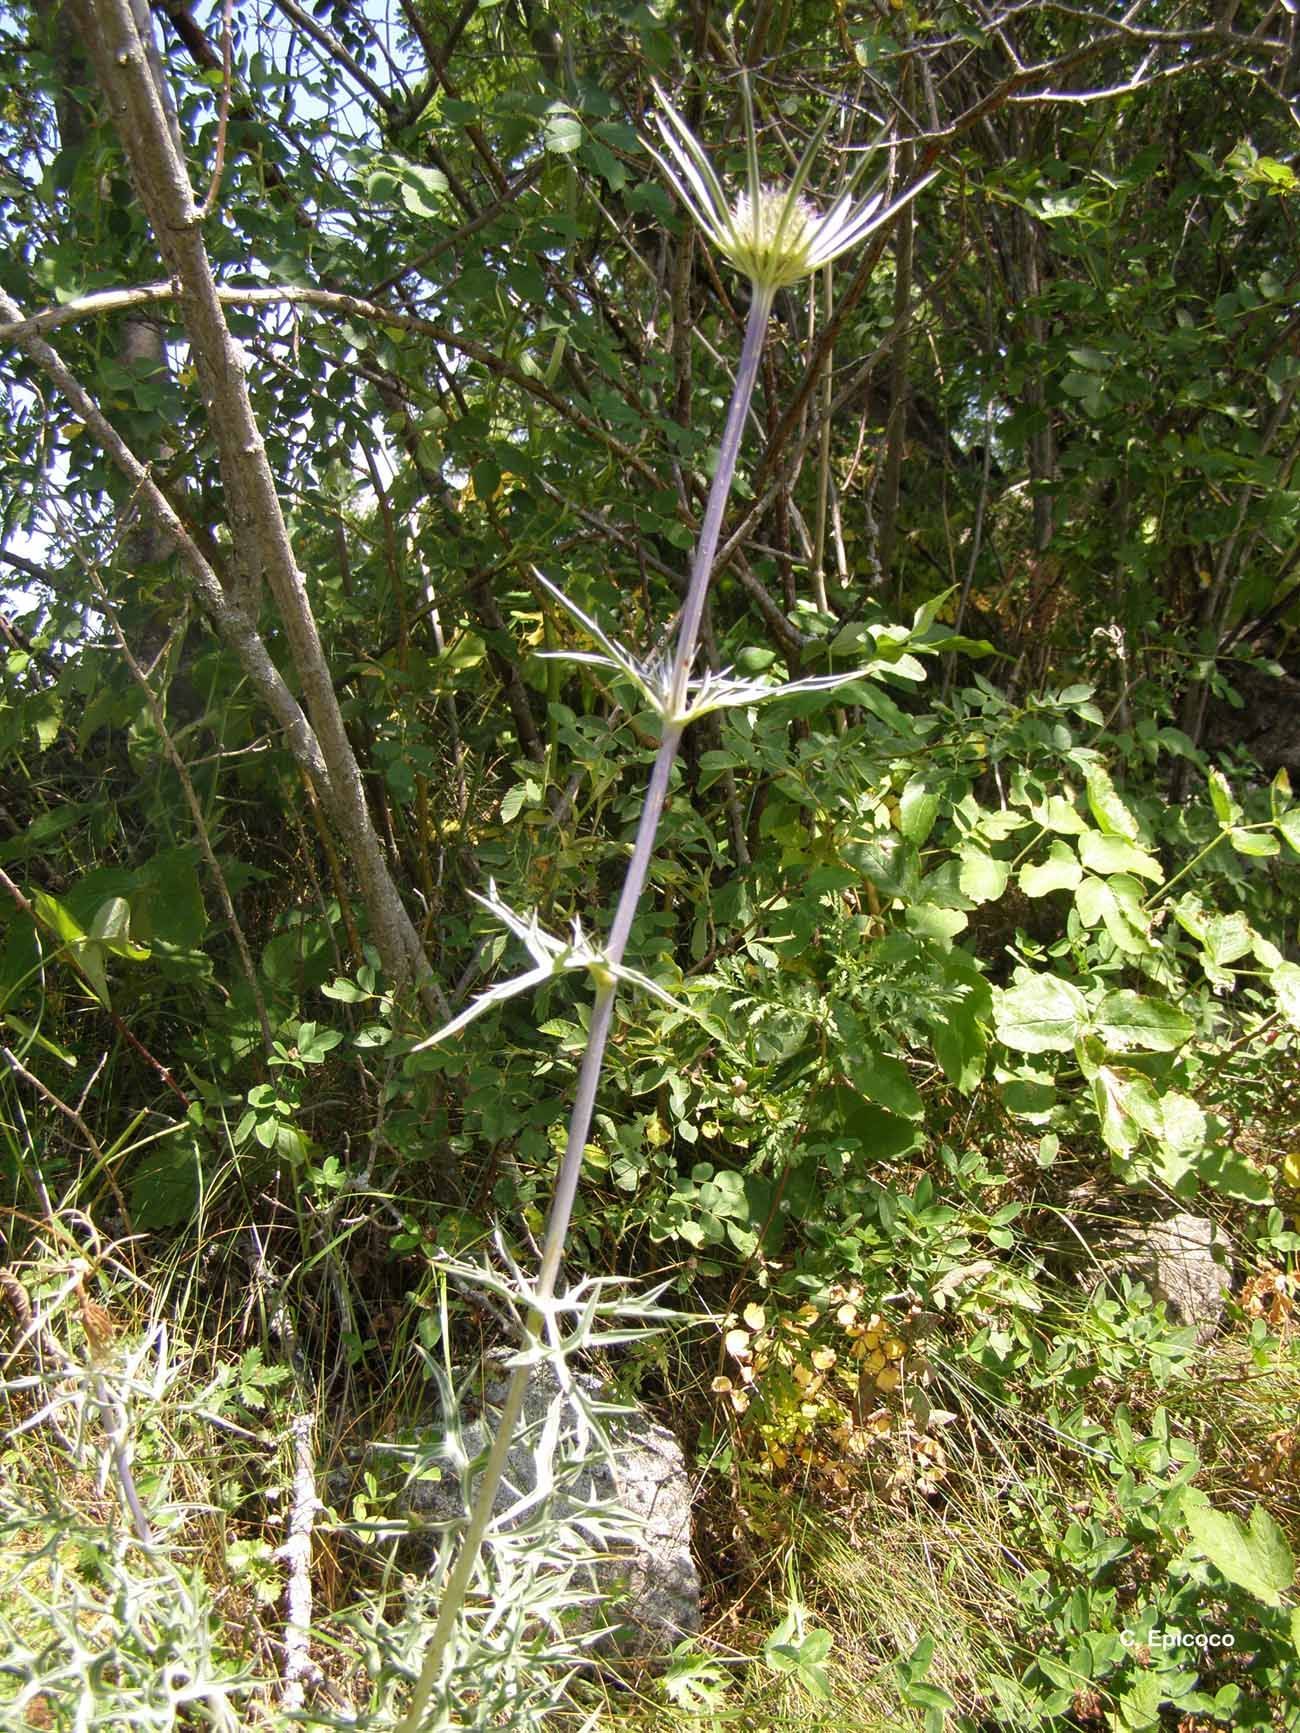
[(639, 1491), (1180, 1260)]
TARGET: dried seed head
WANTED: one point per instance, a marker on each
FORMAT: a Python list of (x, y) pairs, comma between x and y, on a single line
[(98, 1325)]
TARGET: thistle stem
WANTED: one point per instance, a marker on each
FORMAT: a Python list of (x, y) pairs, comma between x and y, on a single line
[(602, 1011)]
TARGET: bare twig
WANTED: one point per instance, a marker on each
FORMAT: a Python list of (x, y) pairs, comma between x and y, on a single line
[(223, 117), (299, 1669)]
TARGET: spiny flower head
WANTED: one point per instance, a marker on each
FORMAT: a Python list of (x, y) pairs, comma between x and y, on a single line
[(773, 234)]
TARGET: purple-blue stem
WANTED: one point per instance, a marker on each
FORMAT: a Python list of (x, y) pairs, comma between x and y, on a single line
[(584, 1101)]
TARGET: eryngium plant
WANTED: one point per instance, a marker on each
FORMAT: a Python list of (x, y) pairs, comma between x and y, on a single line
[(775, 236), (557, 1530)]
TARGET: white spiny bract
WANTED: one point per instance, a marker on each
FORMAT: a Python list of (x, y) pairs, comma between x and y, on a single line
[(552, 957), (653, 678), (773, 234)]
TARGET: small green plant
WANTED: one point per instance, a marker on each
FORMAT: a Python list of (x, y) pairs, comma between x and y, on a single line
[(799, 1650)]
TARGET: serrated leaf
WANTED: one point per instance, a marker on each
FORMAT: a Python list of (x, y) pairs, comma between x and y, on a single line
[(605, 163), (997, 826), (1289, 824), (1255, 1558)]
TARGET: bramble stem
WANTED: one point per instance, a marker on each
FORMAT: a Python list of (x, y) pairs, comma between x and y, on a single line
[(602, 1011)]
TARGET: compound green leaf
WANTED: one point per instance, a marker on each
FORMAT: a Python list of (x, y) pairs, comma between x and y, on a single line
[(1107, 808), (1059, 872), (1040, 1014), (918, 807), (1116, 854), (983, 877), (1127, 1106), (1126, 1020)]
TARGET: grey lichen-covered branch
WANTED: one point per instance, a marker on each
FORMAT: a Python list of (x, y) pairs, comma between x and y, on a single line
[(263, 549), (228, 616)]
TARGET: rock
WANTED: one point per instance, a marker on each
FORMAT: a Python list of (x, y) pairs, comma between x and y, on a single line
[(1175, 1259), (651, 1582)]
